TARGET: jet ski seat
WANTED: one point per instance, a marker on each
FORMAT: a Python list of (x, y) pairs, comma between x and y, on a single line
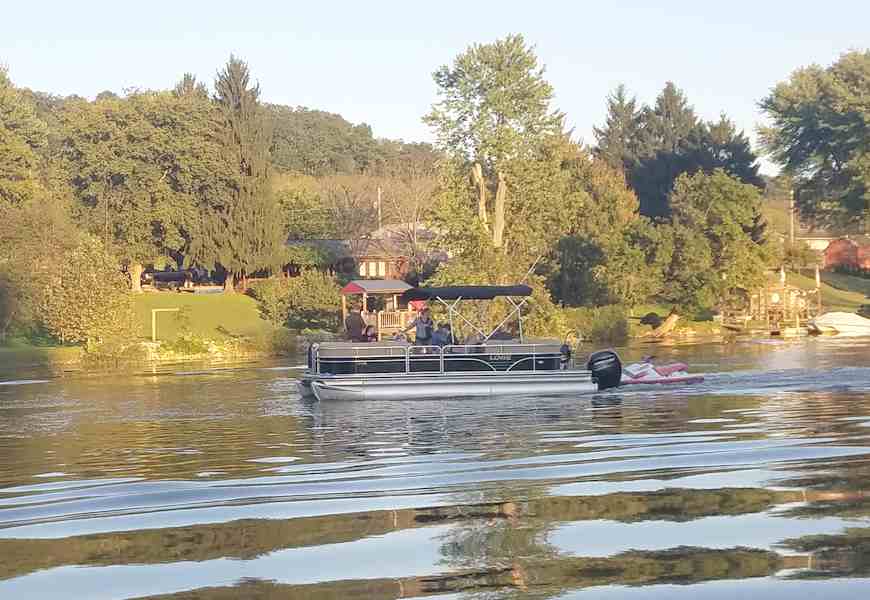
[(668, 370)]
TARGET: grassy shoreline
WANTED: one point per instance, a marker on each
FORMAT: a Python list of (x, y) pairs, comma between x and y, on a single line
[(220, 327)]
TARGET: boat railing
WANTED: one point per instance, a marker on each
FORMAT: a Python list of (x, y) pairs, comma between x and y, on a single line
[(405, 352)]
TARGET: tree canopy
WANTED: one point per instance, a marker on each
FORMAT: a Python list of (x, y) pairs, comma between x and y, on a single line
[(656, 144), (819, 132), (242, 230)]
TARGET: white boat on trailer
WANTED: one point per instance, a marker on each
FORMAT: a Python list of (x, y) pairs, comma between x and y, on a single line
[(403, 371)]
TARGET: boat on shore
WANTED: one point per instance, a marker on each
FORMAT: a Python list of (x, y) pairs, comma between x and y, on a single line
[(401, 370), (841, 324)]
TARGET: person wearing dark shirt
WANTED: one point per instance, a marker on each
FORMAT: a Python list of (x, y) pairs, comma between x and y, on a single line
[(355, 326)]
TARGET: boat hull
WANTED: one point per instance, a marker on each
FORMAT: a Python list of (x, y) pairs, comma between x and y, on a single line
[(447, 385)]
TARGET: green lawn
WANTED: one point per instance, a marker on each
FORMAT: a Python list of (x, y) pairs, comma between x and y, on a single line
[(850, 283), (850, 293), (214, 316)]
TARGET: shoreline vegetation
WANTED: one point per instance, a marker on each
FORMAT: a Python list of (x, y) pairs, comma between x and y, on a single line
[(661, 224), (216, 328)]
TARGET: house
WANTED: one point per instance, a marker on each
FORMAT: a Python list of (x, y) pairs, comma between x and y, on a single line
[(368, 258), (386, 253), (851, 252)]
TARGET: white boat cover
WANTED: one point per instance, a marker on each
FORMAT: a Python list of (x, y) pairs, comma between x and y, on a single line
[(844, 323)]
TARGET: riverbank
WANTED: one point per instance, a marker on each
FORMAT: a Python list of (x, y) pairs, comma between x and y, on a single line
[(226, 327)]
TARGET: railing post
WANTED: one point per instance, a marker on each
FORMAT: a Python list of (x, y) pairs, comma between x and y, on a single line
[(408, 359), (441, 359)]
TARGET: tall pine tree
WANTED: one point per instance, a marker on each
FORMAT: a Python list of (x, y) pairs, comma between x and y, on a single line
[(618, 139), (658, 144), (242, 231)]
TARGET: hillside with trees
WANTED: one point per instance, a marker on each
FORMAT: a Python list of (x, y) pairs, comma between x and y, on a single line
[(665, 208)]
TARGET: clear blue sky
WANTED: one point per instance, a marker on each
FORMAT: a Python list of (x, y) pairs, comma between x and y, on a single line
[(372, 61)]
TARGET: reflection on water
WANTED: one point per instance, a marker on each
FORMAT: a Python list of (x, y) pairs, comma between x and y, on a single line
[(223, 483)]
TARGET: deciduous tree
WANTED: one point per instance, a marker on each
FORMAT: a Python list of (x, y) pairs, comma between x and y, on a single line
[(711, 236), (22, 136), (820, 134), (493, 117)]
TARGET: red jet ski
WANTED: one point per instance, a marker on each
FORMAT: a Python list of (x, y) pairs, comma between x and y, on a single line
[(645, 372)]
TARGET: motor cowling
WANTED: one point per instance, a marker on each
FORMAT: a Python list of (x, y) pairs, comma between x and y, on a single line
[(606, 369)]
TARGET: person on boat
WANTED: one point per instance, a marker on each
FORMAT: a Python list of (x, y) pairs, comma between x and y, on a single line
[(423, 326), (442, 336), (370, 334), (355, 325)]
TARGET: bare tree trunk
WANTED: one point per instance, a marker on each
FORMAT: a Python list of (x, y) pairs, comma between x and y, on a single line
[(477, 174), (666, 327), (498, 217), (230, 283), (135, 270)]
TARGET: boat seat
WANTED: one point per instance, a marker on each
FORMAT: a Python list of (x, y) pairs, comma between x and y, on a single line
[(668, 370)]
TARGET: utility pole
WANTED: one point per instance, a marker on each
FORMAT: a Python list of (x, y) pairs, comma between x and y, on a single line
[(791, 216)]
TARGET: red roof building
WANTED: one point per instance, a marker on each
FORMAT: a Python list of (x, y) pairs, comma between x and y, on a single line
[(847, 252)]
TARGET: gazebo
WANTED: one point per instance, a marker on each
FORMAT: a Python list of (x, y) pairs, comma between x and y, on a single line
[(392, 318)]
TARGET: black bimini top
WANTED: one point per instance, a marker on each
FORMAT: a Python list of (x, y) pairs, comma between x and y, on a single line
[(466, 292)]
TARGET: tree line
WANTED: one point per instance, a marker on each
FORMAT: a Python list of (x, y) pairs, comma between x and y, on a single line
[(664, 205), (184, 177)]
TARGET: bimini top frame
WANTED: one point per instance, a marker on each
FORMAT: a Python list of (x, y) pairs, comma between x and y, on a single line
[(475, 292)]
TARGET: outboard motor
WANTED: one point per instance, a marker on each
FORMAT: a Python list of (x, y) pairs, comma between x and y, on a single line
[(606, 369)]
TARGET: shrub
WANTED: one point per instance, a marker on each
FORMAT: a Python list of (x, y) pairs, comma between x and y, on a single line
[(599, 323), (187, 344), (310, 300), (86, 297), (279, 342)]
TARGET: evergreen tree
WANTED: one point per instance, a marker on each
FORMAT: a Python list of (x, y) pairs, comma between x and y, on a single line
[(242, 231), (671, 140), (723, 147), (618, 139), (669, 130)]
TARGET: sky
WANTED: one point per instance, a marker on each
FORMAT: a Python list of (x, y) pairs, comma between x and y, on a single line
[(372, 61)]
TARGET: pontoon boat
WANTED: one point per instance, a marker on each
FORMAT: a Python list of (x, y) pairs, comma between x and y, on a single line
[(402, 370)]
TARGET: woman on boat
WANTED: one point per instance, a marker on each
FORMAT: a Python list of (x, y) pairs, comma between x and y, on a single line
[(424, 328)]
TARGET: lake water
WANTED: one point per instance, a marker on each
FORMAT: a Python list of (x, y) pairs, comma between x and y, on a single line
[(223, 483)]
